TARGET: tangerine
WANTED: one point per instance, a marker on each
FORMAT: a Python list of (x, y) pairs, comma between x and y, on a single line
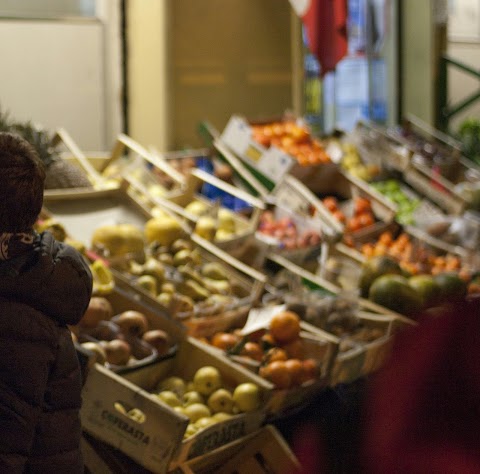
[(267, 341), (285, 326), (276, 353), (277, 373), (252, 350), (310, 370), (295, 368), (224, 340), (294, 349)]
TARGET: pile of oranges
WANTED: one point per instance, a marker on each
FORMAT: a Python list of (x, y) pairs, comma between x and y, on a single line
[(412, 256), (293, 139), (279, 351), (362, 214)]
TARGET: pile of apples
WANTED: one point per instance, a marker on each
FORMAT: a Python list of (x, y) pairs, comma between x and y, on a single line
[(362, 215), (205, 399), (219, 227), (118, 340), (285, 230), (278, 351), (293, 139)]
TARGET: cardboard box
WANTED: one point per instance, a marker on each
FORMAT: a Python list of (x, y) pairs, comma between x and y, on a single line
[(155, 438), (262, 451)]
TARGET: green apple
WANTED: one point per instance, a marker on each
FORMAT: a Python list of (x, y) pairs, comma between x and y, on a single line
[(221, 401), (192, 397), (207, 379), (247, 397), (174, 384), (195, 411), (170, 398)]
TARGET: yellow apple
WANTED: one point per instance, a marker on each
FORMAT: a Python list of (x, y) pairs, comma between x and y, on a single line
[(226, 220), (206, 227), (222, 235), (174, 383), (207, 379), (192, 397), (190, 431), (221, 401), (247, 397), (195, 411), (204, 422), (221, 416), (197, 208), (170, 398)]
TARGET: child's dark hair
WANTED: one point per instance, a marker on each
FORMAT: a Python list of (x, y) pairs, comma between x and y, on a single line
[(22, 178)]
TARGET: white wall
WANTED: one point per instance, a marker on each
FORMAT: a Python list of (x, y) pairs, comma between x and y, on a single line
[(65, 73), (148, 79)]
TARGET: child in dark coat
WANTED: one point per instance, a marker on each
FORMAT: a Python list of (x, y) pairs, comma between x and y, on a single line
[(44, 285)]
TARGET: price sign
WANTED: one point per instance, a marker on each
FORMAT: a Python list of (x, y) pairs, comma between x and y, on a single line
[(285, 196), (260, 318), (275, 164), (237, 135)]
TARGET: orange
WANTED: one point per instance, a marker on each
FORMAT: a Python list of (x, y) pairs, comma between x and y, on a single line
[(285, 326), (274, 354), (295, 368), (310, 370), (294, 349), (267, 341), (277, 373), (224, 340), (252, 350)]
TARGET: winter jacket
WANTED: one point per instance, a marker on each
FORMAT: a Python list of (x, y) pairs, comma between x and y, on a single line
[(40, 381)]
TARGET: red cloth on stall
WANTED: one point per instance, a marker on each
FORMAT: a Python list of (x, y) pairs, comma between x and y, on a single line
[(325, 24), (423, 408)]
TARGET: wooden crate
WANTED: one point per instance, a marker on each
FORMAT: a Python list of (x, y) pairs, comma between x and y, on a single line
[(262, 451), (362, 359), (245, 226), (270, 165), (124, 298), (100, 186), (157, 440), (438, 183), (81, 219)]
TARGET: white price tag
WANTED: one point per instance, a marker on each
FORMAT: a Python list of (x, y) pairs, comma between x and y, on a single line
[(237, 135), (335, 152), (260, 318), (275, 163), (287, 197)]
